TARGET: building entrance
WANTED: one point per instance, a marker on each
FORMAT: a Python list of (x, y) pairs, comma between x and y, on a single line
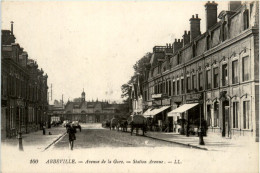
[(225, 113)]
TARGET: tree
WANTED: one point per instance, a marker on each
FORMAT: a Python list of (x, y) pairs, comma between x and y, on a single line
[(139, 69)]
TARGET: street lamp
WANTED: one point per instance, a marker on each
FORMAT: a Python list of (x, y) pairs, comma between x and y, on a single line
[(201, 141), (20, 132)]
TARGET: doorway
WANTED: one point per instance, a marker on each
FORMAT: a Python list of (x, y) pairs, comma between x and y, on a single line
[(170, 119), (225, 118)]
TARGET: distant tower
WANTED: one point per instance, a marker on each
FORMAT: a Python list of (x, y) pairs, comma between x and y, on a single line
[(83, 96)]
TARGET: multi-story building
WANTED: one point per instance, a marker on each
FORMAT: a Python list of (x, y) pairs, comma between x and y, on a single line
[(21, 89), (91, 111), (216, 73)]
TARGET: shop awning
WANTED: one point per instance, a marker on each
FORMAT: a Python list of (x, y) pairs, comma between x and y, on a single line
[(183, 108), (156, 111), (147, 112)]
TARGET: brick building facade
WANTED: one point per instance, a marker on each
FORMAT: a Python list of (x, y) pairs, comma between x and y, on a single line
[(91, 111), (23, 89), (218, 70)]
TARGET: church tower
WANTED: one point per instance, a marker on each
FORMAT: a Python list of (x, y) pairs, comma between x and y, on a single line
[(83, 96)]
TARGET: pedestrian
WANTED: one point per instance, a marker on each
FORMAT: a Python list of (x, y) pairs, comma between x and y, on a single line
[(71, 131), (43, 129)]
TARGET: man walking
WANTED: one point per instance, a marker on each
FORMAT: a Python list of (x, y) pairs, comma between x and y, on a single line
[(71, 131)]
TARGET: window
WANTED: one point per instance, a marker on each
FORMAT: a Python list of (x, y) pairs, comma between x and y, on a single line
[(178, 59), (4, 85), (246, 117), (182, 86), (246, 19), (163, 87), (216, 112), (145, 95), (188, 84), (235, 71), (208, 79), (148, 94), (11, 118), (170, 88), (208, 42), (235, 114), (200, 82), (166, 87), (178, 87), (194, 50), (224, 75), (245, 68), (224, 31), (194, 82), (173, 88), (215, 73)]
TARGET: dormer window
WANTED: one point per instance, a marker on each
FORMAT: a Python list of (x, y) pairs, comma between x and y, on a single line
[(246, 19)]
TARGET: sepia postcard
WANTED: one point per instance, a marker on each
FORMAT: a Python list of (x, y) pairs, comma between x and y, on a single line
[(129, 86)]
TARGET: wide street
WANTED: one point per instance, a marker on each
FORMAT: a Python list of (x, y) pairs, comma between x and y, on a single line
[(93, 135)]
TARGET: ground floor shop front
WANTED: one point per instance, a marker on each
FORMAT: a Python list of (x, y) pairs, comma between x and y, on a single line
[(230, 113)]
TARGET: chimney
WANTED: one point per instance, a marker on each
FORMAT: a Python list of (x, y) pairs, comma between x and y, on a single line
[(186, 38), (233, 5), (12, 28), (177, 45), (211, 14), (194, 27)]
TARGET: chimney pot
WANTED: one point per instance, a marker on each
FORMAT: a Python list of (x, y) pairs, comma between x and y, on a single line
[(234, 5), (178, 40), (185, 32), (12, 27), (175, 40), (211, 14), (194, 27)]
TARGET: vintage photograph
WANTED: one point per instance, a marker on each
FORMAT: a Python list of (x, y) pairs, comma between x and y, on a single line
[(130, 86)]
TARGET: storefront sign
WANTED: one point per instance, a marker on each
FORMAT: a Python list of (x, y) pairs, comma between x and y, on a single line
[(157, 102), (194, 96), (166, 102), (177, 99), (156, 96)]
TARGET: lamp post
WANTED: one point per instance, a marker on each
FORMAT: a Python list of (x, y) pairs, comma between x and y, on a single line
[(201, 141), (20, 131)]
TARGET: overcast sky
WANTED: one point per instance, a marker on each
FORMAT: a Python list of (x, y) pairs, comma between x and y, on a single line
[(94, 44)]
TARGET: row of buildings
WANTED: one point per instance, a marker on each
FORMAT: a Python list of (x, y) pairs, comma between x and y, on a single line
[(87, 111), (24, 89), (212, 76)]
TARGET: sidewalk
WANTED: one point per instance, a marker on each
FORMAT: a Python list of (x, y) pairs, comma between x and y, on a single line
[(36, 140), (213, 142)]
